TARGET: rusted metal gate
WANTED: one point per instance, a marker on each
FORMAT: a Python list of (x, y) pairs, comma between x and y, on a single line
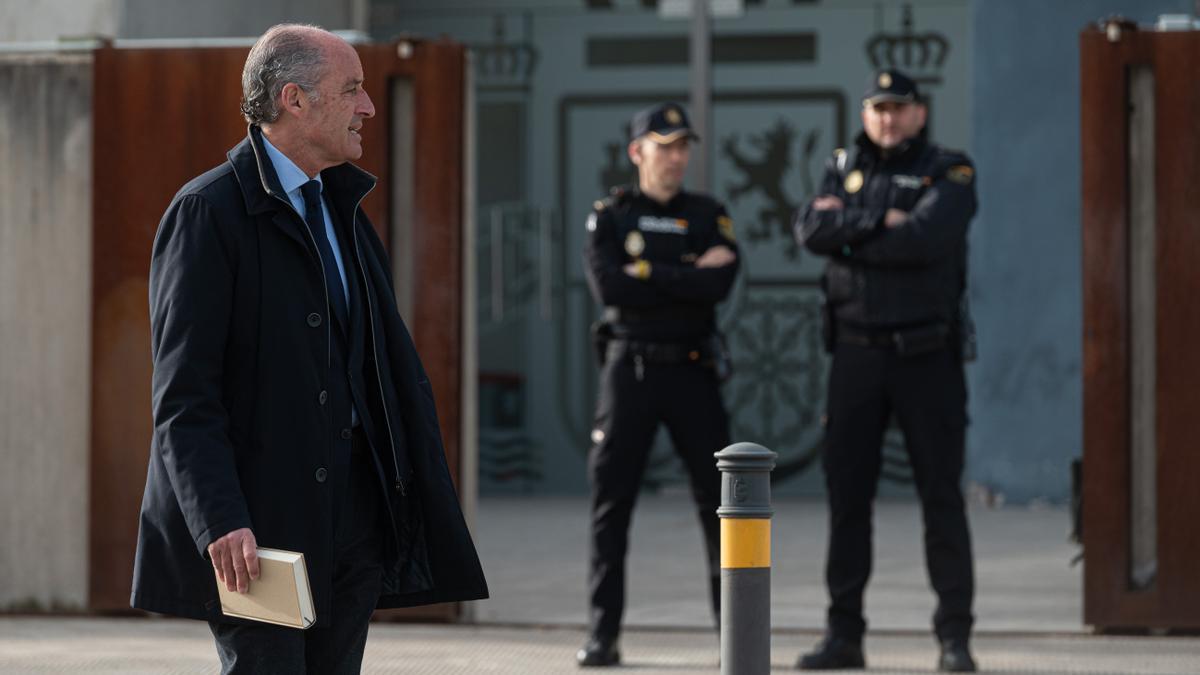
[(163, 116), (1141, 234)]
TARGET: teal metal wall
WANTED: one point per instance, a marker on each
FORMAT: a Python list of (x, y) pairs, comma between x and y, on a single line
[(556, 82)]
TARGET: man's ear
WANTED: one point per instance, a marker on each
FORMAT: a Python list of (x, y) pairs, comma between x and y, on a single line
[(635, 151), (293, 99)]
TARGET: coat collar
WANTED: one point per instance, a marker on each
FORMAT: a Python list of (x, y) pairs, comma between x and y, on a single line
[(291, 177), (346, 184)]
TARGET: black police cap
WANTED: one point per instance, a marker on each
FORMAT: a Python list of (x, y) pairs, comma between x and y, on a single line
[(891, 85), (662, 124)]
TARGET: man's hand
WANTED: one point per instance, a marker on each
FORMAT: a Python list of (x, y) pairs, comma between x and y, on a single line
[(895, 218), (827, 203), (717, 256), (235, 558)]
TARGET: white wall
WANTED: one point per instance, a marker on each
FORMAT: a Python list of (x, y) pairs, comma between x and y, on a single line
[(45, 329), (41, 20), (25, 21)]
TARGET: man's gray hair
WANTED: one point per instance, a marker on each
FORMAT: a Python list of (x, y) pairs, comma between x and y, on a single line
[(285, 53)]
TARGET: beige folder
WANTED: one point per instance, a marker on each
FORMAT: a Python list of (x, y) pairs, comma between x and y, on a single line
[(280, 595)]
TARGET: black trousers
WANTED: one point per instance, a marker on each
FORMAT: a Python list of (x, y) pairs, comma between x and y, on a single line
[(927, 394), (357, 578), (685, 397)]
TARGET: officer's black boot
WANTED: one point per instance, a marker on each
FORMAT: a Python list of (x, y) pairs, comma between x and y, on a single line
[(598, 652), (956, 657), (833, 653)]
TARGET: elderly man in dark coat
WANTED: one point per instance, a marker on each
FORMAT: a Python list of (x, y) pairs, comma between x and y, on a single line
[(290, 408)]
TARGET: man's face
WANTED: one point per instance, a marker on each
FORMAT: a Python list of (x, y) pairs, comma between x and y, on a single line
[(890, 123), (661, 165), (331, 125)]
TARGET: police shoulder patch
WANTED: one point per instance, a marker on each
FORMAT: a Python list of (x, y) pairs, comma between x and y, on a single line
[(961, 174), (853, 182), (725, 226), (837, 161)]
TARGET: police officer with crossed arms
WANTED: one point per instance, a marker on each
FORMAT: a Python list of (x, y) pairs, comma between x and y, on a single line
[(659, 259), (891, 218)]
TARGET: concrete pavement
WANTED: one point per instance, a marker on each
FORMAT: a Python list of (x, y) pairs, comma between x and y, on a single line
[(35, 646), (533, 550)]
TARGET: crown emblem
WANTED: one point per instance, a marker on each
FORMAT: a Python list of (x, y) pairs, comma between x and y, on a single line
[(673, 116), (885, 80), (919, 55)]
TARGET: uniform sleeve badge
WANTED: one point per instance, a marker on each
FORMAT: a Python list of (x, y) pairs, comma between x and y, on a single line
[(635, 244), (725, 225), (961, 174), (853, 182)]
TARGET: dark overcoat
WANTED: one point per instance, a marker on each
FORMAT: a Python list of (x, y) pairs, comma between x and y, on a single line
[(240, 339)]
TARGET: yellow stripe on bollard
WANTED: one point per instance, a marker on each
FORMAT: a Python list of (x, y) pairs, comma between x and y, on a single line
[(745, 542)]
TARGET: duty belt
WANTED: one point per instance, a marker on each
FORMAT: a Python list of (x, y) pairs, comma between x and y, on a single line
[(908, 340), (656, 353)]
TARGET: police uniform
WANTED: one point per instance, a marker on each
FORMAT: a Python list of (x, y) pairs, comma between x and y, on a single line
[(895, 328), (662, 361)]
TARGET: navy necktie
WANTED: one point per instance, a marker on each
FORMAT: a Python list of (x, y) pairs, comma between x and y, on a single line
[(315, 216)]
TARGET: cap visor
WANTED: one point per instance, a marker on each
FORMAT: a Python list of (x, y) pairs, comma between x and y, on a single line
[(671, 135), (889, 98)]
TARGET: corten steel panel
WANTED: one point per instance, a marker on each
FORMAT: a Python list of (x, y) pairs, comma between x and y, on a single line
[(437, 73), (1178, 328), (1173, 600), (163, 116), (437, 70), (1105, 297)]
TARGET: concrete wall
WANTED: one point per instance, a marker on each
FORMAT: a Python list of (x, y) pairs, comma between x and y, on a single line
[(1026, 389), (569, 123), (23, 21), (45, 318)]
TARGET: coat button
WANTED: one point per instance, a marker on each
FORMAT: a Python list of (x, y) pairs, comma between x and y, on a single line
[(324, 396), (321, 474), (346, 434), (314, 319)]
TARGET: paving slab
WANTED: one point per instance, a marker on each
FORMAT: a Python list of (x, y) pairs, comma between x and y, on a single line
[(534, 552), (137, 646)]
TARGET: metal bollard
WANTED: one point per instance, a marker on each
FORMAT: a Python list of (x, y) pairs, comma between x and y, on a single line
[(745, 514)]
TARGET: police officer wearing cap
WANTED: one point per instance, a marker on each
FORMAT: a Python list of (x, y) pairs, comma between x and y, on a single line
[(659, 259), (891, 217)]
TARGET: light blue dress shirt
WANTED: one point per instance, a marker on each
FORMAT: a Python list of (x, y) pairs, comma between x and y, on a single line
[(291, 179)]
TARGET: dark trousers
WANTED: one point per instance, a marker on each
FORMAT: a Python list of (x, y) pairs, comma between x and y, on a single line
[(357, 578), (687, 399), (927, 394)]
